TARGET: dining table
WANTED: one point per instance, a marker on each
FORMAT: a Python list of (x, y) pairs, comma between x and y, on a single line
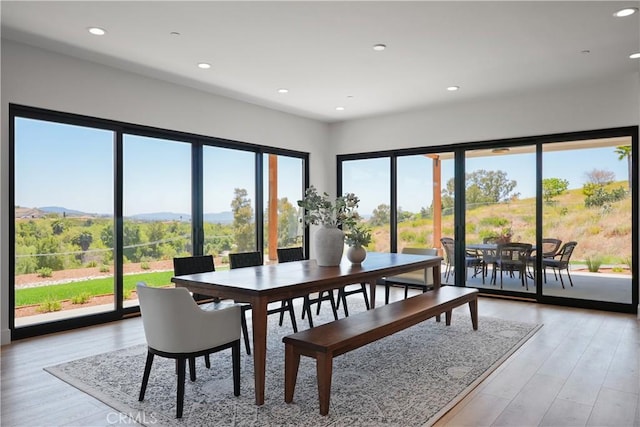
[(263, 284)]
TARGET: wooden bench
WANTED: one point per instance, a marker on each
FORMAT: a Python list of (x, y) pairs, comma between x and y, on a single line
[(327, 341)]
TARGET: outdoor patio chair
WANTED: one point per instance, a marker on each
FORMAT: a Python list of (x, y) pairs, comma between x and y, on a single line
[(204, 264), (296, 254), (560, 262), (512, 257), (252, 259), (470, 260), (176, 328)]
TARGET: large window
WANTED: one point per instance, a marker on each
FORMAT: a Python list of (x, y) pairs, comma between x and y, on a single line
[(63, 198), (98, 209)]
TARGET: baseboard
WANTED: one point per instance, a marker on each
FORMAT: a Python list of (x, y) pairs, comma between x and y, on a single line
[(5, 337)]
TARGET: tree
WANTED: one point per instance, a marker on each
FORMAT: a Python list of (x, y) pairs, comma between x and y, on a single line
[(600, 177), (83, 239), (380, 216), (58, 226), (482, 188), (243, 228), (553, 187), (287, 223), (624, 151)]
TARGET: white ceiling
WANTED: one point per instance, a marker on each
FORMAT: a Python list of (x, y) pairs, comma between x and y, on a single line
[(322, 51)]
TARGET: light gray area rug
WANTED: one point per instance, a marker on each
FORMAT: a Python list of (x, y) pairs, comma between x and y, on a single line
[(411, 378)]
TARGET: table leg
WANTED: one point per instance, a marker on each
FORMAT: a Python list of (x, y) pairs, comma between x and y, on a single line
[(259, 316), (436, 276)]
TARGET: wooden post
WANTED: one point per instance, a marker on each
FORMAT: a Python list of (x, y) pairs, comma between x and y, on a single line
[(437, 202), (273, 207)]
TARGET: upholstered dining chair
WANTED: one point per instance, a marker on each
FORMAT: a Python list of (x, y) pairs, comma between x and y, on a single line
[(412, 279), (204, 264), (252, 259), (176, 328), (297, 254)]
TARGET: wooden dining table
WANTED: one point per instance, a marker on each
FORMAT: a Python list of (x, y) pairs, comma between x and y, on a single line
[(263, 284)]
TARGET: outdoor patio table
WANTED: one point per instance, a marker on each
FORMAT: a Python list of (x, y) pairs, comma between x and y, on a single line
[(267, 283)]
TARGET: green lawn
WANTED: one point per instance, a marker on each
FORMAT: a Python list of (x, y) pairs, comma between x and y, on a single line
[(102, 286)]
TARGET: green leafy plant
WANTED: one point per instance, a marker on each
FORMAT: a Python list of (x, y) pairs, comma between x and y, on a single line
[(45, 272), (593, 264), (358, 235), (104, 269), (144, 265), (81, 298), (320, 210), (49, 305)]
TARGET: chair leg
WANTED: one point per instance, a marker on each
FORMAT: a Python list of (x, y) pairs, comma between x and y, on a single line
[(292, 314), (207, 361), (245, 332), (145, 377), (406, 292), (181, 379), (366, 297), (192, 369), (235, 356), (386, 293), (282, 308), (343, 297), (561, 281), (569, 274), (307, 309), (332, 301)]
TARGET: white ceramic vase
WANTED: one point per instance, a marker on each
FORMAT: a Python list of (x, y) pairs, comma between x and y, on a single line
[(329, 245), (356, 254)]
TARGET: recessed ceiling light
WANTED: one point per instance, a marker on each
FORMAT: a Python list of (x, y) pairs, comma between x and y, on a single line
[(96, 31), (340, 108), (283, 90), (453, 88), (625, 12), (174, 33), (379, 47), (585, 51), (204, 65), (635, 55)]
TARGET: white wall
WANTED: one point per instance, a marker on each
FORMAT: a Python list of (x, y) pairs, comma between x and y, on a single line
[(43, 79)]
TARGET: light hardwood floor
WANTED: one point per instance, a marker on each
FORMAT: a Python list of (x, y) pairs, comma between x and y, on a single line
[(581, 368)]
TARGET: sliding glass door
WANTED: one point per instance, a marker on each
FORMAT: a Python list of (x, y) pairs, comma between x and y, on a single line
[(587, 207)]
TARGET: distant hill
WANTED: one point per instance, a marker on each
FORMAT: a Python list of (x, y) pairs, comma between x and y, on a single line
[(225, 217)]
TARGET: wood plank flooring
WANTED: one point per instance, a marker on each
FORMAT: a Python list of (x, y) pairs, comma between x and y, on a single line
[(581, 369)]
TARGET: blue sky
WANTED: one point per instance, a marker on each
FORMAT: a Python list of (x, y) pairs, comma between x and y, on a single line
[(71, 166)]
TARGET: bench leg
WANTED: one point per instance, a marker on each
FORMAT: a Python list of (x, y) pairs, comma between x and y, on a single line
[(473, 309), (447, 317), (291, 364), (324, 366)]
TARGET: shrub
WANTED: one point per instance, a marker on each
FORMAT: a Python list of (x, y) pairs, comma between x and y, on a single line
[(49, 305), (617, 269), (92, 263), (45, 272), (81, 298), (593, 264), (493, 221), (145, 265), (104, 269), (127, 293)]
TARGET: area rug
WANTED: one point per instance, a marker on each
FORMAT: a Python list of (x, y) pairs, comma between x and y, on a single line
[(411, 378)]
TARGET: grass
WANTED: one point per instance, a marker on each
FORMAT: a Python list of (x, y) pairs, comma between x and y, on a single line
[(92, 287)]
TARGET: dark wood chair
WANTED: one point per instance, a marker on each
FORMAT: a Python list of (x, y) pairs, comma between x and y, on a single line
[(297, 254), (560, 262), (252, 259), (204, 264)]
